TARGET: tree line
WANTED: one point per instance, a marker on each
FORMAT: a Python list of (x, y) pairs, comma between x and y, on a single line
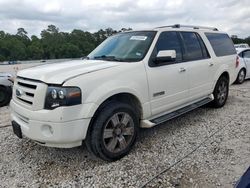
[(52, 43), (237, 40)]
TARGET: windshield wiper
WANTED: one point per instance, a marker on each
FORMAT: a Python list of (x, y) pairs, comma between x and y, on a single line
[(108, 58)]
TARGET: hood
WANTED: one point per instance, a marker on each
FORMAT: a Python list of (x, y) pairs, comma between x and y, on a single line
[(58, 73)]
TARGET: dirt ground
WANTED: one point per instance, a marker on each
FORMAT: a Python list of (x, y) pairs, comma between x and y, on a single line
[(204, 148)]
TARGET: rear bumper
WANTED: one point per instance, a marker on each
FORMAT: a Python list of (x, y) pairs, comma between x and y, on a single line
[(62, 134)]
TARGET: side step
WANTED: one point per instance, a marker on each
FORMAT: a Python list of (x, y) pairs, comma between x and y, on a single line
[(166, 117)]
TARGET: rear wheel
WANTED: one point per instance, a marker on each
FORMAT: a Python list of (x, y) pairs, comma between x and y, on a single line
[(113, 132), (241, 76), (5, 96), (220, 92)]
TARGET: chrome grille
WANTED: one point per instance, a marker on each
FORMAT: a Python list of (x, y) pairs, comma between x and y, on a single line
[(25, 90), (29, 93)]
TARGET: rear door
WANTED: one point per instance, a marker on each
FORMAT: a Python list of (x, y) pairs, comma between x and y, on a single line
[(199, 65), (246, 57)]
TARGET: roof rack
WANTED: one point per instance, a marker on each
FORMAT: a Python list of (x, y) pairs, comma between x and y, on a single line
[(189, 26)]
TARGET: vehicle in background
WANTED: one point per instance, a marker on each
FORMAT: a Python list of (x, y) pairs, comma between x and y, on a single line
[(244, 181), (9, 62), (12, 62), (6, 83), (239, 47), (244, 65), (4, 63)]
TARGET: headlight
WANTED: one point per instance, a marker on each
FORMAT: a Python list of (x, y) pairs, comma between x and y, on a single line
[(62, 96)]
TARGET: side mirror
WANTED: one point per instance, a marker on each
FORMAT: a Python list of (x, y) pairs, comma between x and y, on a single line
[(165, 56)]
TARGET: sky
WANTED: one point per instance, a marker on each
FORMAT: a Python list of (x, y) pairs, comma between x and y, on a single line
[(232, 16)]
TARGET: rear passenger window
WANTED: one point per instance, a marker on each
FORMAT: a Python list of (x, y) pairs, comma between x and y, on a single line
[(221, 43), (192, 46), (169, 41)]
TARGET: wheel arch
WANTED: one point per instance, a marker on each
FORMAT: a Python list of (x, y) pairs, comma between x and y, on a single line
[(8, 88), (8, 91), (244, 68), (225, 74), (125, 97), (3, 86)]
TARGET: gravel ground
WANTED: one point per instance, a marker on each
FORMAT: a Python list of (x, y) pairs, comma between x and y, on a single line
[(204, 148)]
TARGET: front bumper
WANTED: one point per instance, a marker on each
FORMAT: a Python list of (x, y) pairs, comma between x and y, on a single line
[(62, 134)]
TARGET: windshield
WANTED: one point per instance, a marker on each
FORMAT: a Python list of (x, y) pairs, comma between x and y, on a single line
[(128, 47)]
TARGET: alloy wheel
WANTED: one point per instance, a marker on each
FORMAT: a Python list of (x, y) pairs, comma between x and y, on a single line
[(222, 92), (118, 132)]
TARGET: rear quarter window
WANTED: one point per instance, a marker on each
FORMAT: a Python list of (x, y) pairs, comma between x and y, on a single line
[(221, 44)]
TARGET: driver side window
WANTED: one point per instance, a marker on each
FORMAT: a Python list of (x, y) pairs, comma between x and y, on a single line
[(169, 41)]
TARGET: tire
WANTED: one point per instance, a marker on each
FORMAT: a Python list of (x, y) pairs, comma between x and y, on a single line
[(5, 96), (113, 131), (220, 93), (241, 76)]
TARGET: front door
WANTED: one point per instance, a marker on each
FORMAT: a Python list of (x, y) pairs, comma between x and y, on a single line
[(168, 81)]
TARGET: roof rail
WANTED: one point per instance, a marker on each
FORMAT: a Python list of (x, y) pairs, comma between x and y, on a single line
[(189, 26)]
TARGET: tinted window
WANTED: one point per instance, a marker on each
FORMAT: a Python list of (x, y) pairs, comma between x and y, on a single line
[(203, 47), (192, 46), (246, 54), (221, 43), (169, 41)]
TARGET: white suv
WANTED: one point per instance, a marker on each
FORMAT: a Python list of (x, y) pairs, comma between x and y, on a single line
[(133, 79)]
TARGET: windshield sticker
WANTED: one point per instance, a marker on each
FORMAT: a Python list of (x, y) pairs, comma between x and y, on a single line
[(138, 38), (138, 54)]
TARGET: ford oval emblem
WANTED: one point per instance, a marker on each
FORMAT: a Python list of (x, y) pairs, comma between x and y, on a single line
[(19, 92)]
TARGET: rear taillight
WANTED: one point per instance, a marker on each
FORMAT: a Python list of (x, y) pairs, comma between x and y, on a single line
[(237, 61)]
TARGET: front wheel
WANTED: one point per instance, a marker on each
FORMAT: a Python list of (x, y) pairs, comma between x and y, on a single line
[(113, 132), (220, 93)]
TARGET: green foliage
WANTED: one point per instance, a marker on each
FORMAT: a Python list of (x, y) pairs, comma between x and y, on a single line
[(239, 40), (53, 44)]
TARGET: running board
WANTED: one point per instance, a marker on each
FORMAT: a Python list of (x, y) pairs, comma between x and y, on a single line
[(169, 116)]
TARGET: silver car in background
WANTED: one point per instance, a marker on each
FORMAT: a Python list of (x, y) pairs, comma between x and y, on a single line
[(241, 46), (6, 83)]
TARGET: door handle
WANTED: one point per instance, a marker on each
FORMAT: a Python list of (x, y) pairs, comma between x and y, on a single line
[(211, 64), (182, 70)]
